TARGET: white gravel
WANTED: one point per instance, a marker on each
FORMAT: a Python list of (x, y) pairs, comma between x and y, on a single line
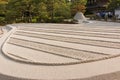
[(56, 49)]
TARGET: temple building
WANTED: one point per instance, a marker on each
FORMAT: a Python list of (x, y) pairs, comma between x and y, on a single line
[(97, 5)]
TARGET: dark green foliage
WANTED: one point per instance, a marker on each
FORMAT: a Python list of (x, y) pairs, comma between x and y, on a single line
[(36, 10), (2, 21), (113, 4)]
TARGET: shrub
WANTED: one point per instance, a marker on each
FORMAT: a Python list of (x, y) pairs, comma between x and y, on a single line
[(2, 21)]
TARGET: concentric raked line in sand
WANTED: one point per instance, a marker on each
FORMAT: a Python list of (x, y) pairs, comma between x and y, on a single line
[(58, 38), (71, 45), (67, 39), (82, 56), (72, 30), (72, 72), (77, 30), (71, 39), (75, 33), (34, 55), (74, 36), (29, 44)]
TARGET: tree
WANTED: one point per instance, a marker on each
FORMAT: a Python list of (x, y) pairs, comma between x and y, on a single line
[(113, 4), (20, 10), (50, 8), (58, 9), (78, 6), (3, 1), (62, 9), (3, 4), (41, 12)]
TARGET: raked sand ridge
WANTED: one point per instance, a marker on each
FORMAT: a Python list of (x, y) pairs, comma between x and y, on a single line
[(60, 52)]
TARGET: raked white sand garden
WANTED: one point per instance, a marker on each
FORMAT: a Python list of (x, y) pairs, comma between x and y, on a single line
[(60, 51)]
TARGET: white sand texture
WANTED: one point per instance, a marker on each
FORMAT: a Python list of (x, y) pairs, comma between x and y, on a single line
[(60, 52)]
